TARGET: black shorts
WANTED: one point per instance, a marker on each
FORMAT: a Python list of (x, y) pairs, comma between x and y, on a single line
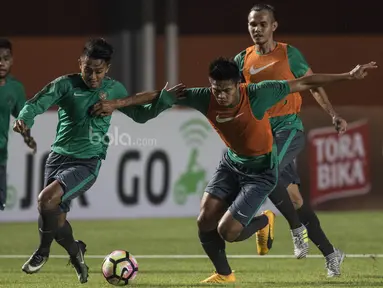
[(3, 184), (242, 189), (75, 175), (289, 144)]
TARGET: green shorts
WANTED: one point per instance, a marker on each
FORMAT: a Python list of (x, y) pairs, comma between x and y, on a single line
[(76, 176)]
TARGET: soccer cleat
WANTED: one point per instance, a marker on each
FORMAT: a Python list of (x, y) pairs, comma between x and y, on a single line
[(265, 236), (301, 242), (35, 263), (333, 263), (78, 262), (217, 278)]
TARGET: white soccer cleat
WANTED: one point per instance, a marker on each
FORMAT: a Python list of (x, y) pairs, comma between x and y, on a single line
[(333, 263), (301, 242)]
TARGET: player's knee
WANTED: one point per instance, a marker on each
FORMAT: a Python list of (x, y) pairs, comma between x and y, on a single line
[(227, 232), (62, 219), (229, 228), (295, 196), (206, 220), (212, 210), (45, 202), (50, 197)]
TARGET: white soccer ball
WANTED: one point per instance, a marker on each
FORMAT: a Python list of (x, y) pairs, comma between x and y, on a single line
[(119, 267)]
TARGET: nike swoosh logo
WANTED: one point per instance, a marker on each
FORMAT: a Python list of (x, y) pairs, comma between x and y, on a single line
[(223, 120), (33, 269), (254, 71), (243, 215)]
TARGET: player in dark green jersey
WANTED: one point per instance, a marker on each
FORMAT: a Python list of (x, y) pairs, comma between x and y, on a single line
[(12, 99), (248, 172), (79, 147)]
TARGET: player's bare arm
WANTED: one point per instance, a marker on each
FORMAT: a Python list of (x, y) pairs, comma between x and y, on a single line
[(106, 107), (320, 96), (318, 80)]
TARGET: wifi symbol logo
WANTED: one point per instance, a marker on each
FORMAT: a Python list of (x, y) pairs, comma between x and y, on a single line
[(195, 132), (193, 179)]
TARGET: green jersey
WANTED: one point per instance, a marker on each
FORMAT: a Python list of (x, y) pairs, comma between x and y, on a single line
[(285, 62), (12, 99), (243, 128), (78, 134)]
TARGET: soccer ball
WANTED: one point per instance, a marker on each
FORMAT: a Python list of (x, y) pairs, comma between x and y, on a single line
[(119, 267)]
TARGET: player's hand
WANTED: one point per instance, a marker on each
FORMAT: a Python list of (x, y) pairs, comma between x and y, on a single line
[(20, 127), (31, 143), (360, 71), (103, 108), (340, 124), (178, 90)]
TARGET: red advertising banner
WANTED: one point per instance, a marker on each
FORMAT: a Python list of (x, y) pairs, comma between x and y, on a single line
[(339, 164)]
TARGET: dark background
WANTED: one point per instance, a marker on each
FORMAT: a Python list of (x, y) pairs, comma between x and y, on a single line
[(83, 17)]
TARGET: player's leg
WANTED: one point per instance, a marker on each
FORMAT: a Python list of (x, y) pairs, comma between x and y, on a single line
[(289, 178), (72, 178), (240, 216), (3, 186), (78, 179), (49, 211), (219, 191), (64, 237), (290, 143), (333, 256), (41, 255), (281, 200)]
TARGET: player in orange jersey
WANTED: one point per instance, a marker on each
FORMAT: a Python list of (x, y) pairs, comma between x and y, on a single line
[(272, 60), (248, 172)]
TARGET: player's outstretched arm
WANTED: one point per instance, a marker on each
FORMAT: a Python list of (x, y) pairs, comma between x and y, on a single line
[(143, 113), (41, 102), (322, 99), (135, 106), (318, 80), (196, 98)]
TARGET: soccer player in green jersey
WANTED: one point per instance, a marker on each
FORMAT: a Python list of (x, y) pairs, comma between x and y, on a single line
[(12, 99), (268, 59), (248, 172), (79, 147)]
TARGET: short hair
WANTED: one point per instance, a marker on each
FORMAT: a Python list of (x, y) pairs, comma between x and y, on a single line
[(5, 44), (98, 48), (261, 7), (222, 69)]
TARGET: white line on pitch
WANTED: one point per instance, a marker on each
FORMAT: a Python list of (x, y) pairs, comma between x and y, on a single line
[(200, 256)]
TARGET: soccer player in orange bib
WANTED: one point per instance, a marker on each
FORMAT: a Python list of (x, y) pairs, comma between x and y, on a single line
[(248, 172), (271, 60)]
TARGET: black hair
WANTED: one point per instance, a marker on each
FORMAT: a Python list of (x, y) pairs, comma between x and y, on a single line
[(5, 44), (261, 7), (98, 48), (223, 69)]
